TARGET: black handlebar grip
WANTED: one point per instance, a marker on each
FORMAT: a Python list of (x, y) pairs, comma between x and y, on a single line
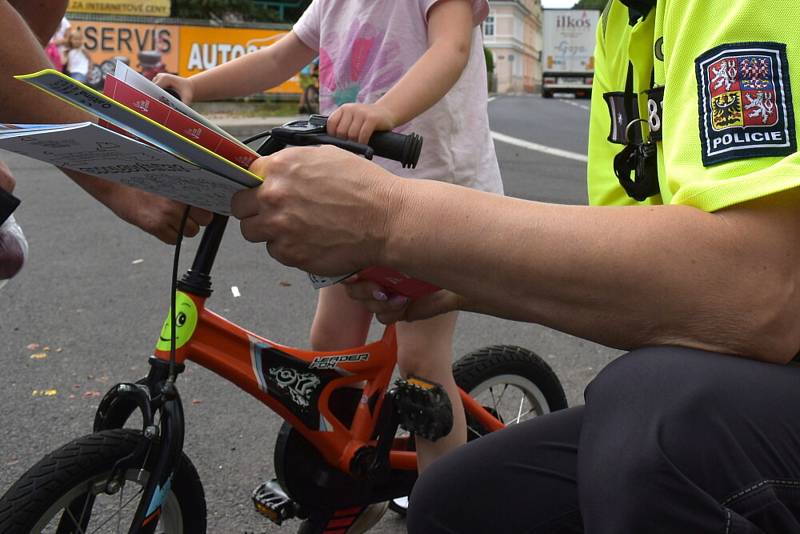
[(399, 147)]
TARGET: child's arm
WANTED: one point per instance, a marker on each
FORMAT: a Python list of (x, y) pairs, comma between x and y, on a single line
[(450, 27), (243, 76)]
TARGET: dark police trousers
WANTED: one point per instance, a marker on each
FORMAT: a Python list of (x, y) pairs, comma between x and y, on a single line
[(670, 440)]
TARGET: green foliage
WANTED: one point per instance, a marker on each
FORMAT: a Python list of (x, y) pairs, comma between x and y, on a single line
[(591, 4), (223, 10), (489, 60), (292, 14)]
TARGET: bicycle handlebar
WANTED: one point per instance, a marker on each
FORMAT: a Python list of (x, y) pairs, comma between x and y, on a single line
[(391, 145), (398, 147)]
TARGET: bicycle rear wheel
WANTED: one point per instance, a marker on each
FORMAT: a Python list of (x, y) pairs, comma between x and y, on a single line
[(513, 383), (51, 496)]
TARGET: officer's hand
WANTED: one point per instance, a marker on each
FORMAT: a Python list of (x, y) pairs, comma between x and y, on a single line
[(321, 209)]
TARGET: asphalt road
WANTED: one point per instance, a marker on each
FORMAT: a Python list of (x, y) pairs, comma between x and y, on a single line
[(88, 308)]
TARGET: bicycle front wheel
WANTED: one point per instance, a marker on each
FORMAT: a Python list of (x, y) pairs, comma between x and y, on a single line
[(52, 496)]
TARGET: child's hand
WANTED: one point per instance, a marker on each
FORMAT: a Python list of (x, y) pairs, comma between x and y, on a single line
[(391, 309), (357, 122), (183, 86)]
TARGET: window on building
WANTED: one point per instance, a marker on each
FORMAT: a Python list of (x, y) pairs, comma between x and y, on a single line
[(516, 65), (488, 26)]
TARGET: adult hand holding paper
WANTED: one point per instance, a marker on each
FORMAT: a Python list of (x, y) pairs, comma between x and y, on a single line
[(167, 163), (20, 52), (13, 246)]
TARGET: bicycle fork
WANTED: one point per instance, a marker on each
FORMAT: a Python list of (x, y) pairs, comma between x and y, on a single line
[(152, 396)]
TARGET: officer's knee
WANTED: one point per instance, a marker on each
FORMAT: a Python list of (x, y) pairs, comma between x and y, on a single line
[(643, 413), (433, 493)]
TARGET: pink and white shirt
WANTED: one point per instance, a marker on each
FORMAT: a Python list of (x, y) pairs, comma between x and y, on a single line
[(366, 46)]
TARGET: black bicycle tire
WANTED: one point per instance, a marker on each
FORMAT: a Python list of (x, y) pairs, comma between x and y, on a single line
[(82, 459), (476, 367)]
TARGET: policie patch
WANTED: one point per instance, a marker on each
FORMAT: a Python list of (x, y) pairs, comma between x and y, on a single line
[(745, 102)]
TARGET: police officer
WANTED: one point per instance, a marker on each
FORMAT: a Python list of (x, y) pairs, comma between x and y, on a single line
[(693, 268)]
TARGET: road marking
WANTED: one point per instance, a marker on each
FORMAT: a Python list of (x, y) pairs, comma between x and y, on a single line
[(575, 104), (235, 291), (491, 98), (539, 148)]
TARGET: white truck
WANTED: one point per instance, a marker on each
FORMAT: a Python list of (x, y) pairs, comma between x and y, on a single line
[(568, 51)]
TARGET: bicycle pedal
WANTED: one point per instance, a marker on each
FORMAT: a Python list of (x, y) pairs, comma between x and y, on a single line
[(272, 502), (423, 408)]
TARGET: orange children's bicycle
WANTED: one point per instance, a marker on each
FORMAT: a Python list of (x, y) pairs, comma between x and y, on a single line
[(338, 450)]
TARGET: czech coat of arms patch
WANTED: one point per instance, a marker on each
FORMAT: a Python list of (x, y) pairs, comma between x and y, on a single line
[(745, 102)]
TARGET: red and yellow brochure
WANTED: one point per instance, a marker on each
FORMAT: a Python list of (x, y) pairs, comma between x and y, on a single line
[(179, 123)]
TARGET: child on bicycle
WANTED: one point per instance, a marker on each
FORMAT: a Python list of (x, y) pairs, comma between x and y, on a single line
[(416, 65)]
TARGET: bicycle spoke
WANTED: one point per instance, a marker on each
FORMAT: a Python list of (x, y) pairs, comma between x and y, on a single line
[(116, 514), (494, 400), (497, 406), (78, 525), (86, 502), (534, 412), (519, 413), (477, 431)]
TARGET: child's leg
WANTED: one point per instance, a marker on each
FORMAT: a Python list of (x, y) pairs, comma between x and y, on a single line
[(425, 349), (340, 322)]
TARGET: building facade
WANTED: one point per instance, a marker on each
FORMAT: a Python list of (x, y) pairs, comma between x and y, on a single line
[(513, 34)]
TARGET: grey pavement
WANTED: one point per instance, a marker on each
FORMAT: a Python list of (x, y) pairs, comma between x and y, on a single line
[(95, 291)]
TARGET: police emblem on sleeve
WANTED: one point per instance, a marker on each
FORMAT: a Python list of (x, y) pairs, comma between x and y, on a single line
[(745, 102)]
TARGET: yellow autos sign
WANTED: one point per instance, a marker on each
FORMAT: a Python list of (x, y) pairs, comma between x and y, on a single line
[(203, 48), (153, 8)]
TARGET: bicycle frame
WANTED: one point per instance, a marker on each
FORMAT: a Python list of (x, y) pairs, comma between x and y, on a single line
[(295, 383)]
